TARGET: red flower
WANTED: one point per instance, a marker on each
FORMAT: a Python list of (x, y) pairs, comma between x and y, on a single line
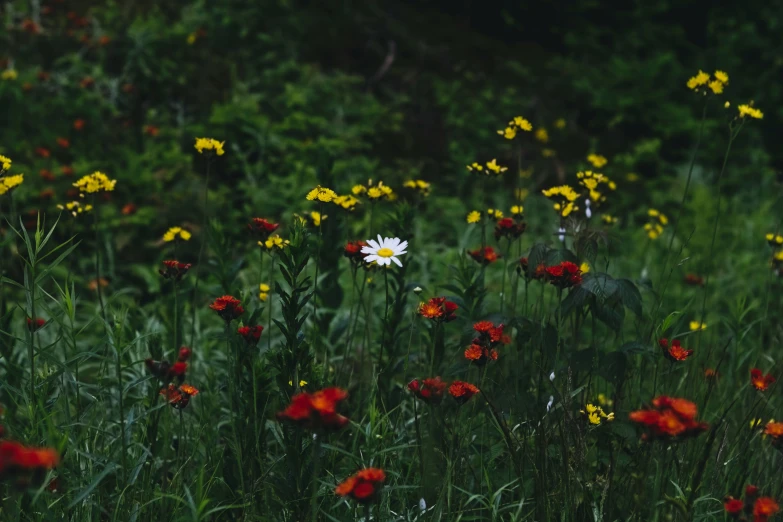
[(675, 352), (43, 76), (751, 491), (46, 175), (184, 354), (353, 251), (316, 411), (760, 381), (462, 391), (79, 124), (694, 280), (763, 508), (262, 227), (489, 334), (775, 431), (508, 228), (42, 152), (179, 397), (669, 418), (364, 486), (485, 256), (29, 26), (251, 334), (429, 390), (166, 372), (63, 142), (439, 310), (479, 355), (733, 506), (66, 170), (104, 40), (151, 130), (129, 209), (227, 307), (35, 325), (175, 270), (16, 458), (87, 82), (564, 275), (710, 374)]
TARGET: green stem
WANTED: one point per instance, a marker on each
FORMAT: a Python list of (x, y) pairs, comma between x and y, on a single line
[(316, 472), (204, 219), (96, 222)]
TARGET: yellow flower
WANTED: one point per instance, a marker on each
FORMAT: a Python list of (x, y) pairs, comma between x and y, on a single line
[(474, 216), (604, 401), (778, 256), (263, 291), (191, 38), (517, 210), (5, 162), (721, 76), (548, 153), (497, 214), (632, 176), (302, 383), (727, 104), (176, 233), (9, 74), (754, 423), (522, 124), (317, 218), (475, 166), (210, 145), (274, 241), (521, 193), (715, 86), (509, 133), (748, 110), (584, 267), (419, 185), (494, 167), (358, 189), (653, 213), (95, 182), (608, 219), (564, 191), (663, 219), (542, 135), (75, 208), (697, 81), (696, 326), (374, 193), (560, 123), (9, 182), (348, 202), (595, 414), (321, 194), (596, 160)]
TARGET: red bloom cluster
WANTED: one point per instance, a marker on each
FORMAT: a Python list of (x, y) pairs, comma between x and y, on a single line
[(760, 381), (364, 486), (774, 430), (669, 418), (262, 227), (228, 308), (522, 269), (439, 310), (564, 275), (509, 228), (167, 372), (353, 251), (63, 142), (482, 348), (485, 256), (251, 334), (21, 462), (35, 324), (174, 270), (179, 397), (762, 508), (462, 391), (316, 411), (675, 352), (429, 390)]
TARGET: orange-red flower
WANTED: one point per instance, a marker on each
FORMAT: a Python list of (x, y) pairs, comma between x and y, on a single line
[(353, 251), (151, 130), (364, 486), (438, 309), (316, 411), (669, 418), (63, 142), (564, 275), (674, 352), (227, 307), (251, 334), (710, 374), (763, 508), (79, 124), (179, 397), (509, 228), (35, 324), (774, 430), (17, 459), (485, 256), (760, 381), (733, 506), (429, 390), (262, 228), (166, 372), (694, 280), (174, 270), (129, 209), (66, 170), (479, 355), (184, 354), (46, 174), (462, 391)]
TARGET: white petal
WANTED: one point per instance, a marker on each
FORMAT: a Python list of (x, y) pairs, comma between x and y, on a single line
[(381, 242), (373, 244), (369, 250), (400, 252), (394, 242), (403, 245), (370, 259), (383, 261), (397, 261)]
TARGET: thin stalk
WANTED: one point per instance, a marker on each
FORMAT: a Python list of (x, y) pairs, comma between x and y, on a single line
[(96, 222), (316, 472), (385, 319), (200, 255)]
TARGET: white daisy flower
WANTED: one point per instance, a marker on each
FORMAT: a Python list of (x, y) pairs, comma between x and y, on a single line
[(385, 250)]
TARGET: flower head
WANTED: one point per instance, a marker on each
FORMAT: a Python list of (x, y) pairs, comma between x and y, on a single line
[(462, 391), (10, 182), (262, 228), (227, 307), (5, 163), (18, 460), (176, 233), (274, 242), (674, 351), (175, 270), (480, 355), (474, 216), (35, 324), (595, 414), (95, 182), (596, 160), (564, 197), (263, 291), (353, 251), (763, 508), (669, 418), (438, 309), (179, 397), (695, 326), (419, 185), (485, 256), (760, 381), (316, 411), (564, 275), (251, 334), (321, 194), (210, 145), (428, 390), (384, 251), (509, 228), (748, 110), (364, 486)]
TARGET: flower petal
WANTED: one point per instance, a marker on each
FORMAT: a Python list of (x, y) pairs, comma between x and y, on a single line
[(373, 244), (403, 245), (371, 258), (397, 261)]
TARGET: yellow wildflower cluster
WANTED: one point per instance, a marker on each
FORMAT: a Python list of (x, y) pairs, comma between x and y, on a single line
[(608, 219), (5, 163), (374, 192), (542, 135), (176, 233), (695, 326), (564, 196), (474, 216), (596, 160), (654, 227), (9, 74), (302, 383), (95, 182), (774, 239), (603, 400), (9, 182), (273, 242), (596, 414), (263, 292), (517, 210), (591, 181), (517, 124), (495, 213), (748, 110), (315, 216), (75, 208), (347, 202), (703, 81), (419, 185), (492, 167), (321, 194), (210, 145)]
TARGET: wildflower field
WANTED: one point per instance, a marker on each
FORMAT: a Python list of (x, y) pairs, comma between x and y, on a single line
[(393, 261)]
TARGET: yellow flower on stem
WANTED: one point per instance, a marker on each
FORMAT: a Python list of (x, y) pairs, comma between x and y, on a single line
[(596, 160), (696, 326), (9, 74), (5, 162), (321, 194), (748, 110), (175, 233), (474, 216), (75, 208), (274, 242), (95, 182), (210, 145), (263, 292)]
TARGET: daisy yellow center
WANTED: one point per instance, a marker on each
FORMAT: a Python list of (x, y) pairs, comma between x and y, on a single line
[(385, 252)]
